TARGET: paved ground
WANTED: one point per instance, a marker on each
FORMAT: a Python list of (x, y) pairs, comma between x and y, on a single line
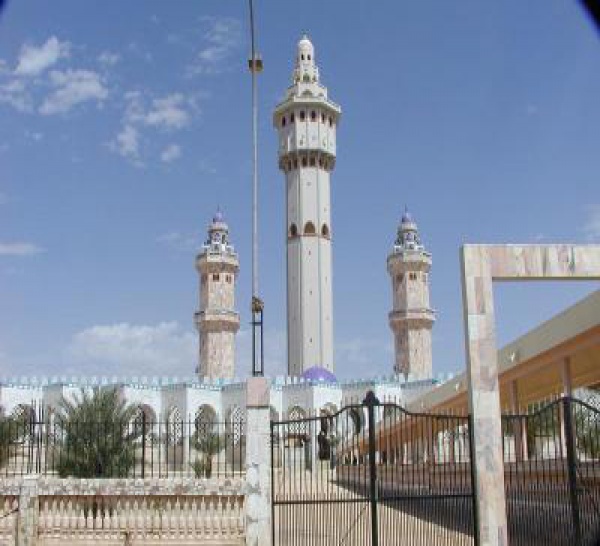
[(347, 520)]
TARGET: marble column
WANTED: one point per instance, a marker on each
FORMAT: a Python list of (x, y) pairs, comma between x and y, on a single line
[(258, 463), (484, 395)]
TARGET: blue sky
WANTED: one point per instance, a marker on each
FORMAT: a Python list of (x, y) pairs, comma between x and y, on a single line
[(123, 125)]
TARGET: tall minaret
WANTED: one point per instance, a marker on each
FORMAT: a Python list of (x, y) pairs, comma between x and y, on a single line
[(306, 122), (412, 318), (217, 321)]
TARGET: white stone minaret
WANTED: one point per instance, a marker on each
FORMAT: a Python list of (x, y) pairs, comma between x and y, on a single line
[(412, 318), (306, 122), (217, 321)]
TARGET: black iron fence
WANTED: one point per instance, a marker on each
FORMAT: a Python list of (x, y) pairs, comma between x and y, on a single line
[(372, 474), (38, 442), (552, 474)]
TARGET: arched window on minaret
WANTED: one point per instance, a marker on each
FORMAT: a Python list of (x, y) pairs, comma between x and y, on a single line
[(309, 229), (325, 231), (294, 230)]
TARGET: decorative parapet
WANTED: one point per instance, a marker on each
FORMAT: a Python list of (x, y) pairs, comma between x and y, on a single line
[(124, 511)]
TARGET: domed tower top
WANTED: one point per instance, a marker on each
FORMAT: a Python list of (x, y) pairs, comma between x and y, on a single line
[(408, 234), (306, 70), (217, 240)]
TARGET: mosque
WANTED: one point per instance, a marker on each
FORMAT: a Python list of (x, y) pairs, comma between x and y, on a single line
[(306, 122)]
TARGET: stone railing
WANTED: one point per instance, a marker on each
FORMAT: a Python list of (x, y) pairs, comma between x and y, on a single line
[(73, 512), (9, 505)]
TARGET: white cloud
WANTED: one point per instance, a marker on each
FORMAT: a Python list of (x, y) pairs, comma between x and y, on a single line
[(33, 135), (16, 94), (592, 224), (170, 153), (221, 39), (109, 58), (34, 60), (168, 112), (127, 143), (162, 349), (73, 87), (19, 249), (171, 112)]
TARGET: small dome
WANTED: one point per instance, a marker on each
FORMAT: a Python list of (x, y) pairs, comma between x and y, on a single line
[(318, 374), (218, 218), (306, 49), (407, 217)]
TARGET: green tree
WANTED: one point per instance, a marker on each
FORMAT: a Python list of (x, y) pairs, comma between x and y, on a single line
[(209, 443), (98, 437), (12, 428), (587, 422)]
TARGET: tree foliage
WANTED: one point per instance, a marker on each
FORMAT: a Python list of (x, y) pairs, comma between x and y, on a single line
[(98, 437), (12, 429), (208, 442)]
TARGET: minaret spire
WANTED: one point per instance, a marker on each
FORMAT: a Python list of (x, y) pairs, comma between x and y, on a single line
[(411, 318), (306, 122), (217, 320)]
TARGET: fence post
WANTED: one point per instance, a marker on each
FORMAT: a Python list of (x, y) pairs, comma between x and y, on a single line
[(258, 462), (572, 466), (143, 444), (28, 514), (371, 401)]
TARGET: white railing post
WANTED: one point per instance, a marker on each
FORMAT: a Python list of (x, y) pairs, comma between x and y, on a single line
[(28, 514), (258, 463)]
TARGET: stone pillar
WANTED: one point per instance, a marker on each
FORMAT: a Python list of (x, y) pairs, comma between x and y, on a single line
[(258, 463), (28, 515), (484, 395), (565, 375)]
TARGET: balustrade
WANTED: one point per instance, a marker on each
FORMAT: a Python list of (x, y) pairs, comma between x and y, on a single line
[(150, 517)]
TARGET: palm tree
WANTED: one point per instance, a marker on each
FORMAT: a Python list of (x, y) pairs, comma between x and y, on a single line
[(97, 436), (209, 443)]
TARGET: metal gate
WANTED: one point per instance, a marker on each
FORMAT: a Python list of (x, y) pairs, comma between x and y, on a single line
[(372, 474), (552, 474)]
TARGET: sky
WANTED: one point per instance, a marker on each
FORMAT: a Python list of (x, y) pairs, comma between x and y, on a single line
[(125, 125)]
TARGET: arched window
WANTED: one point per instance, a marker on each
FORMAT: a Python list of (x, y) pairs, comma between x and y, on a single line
[(302, 56), (236, 424), (174, 426), (325, 231), (283, 121), (293, 230), (309, 229), (313, 161), (292, 117), (308, 57), (298, 426), (302, 115), (330, 121), (304, 162), (322, 117), (313, 116)]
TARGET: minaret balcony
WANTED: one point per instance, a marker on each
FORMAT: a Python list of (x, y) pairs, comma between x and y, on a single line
[(418, 317), (214, 320)]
